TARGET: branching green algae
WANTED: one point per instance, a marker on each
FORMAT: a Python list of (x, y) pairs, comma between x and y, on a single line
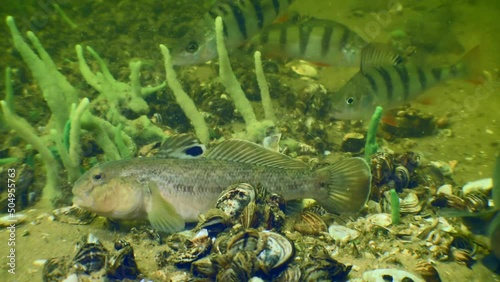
[(62, 99), (114, 133)]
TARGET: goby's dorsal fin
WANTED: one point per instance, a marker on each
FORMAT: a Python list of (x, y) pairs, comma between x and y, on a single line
[(182, 146), (242, 151)]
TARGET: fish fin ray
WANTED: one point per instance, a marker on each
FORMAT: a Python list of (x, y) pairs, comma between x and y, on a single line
[(294, 207), (243, 151), (348, 185), (182, 146), (161, 214)]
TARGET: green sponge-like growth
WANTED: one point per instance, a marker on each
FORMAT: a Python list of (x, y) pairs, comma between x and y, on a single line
[(371, 146)]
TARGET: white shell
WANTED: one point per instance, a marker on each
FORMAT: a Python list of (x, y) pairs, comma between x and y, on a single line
[(445, 189), (397, 275), (380, 219), (39, 262), (482, 185), (72, 278), (445, 225), (444, 167), (342, 234), (9, 219), (410, 204), (303, 68)]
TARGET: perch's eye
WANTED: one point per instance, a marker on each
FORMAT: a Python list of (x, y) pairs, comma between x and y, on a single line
[(192, 47), (349, 100)]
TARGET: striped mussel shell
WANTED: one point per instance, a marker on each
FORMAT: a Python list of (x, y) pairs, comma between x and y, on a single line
[(204, 267), (382, 166), (318, 265), (73, 215), (476, 201), (91, 257), (248, 240), (444, 200), (235, 198), (310, 223), (122, 265), (242, 268), (192, 249), (427, 271), (462, 256), (409, 160), (273, 212), (278, 250), (271, 249), (410, 204), (291, 274), (248, 217), (55, 269), (401, 177), (463, 250)]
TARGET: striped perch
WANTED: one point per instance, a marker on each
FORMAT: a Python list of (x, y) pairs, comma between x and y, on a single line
[(316, 40), (392, 86), (242, 19)]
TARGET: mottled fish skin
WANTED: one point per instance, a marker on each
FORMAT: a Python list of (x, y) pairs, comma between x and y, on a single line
[(171, 191), (316, 40), (390, 86), (192, 186), (242, 19)]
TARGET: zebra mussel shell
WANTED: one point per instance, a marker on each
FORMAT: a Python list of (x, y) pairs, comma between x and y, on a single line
[(427, 271), (235, 198), (91, 256), (242, 268), (93, 261), (74, 215), (310, 223), (271, 249)]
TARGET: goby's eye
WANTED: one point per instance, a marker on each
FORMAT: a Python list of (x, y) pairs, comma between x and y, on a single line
[(98, 176), (349, 100)]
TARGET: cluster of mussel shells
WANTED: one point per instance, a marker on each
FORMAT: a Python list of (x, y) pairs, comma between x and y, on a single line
[(390, 171), (415, 183), (93, 262), (242, 238)]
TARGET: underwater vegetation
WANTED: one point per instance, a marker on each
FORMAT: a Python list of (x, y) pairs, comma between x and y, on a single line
[(114, 134), (105, 143)]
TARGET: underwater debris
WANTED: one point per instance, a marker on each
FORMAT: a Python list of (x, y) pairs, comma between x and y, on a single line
[(410, 122)]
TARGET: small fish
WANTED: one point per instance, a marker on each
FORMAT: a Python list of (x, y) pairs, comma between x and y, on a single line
[(171, 191), (241, 19), (321, 41), (394, 85)]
